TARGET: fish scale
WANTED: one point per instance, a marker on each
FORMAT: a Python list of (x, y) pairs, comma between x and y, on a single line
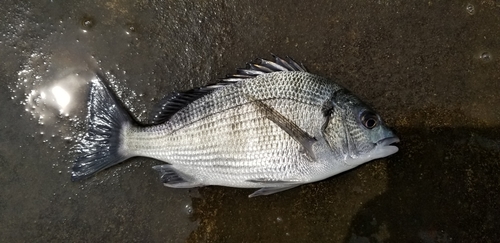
[(257, 128), (302, 87), (252, 124), (272, 125)]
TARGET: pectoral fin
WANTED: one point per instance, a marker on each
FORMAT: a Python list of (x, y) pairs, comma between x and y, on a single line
[(288, 126), (271, 190)]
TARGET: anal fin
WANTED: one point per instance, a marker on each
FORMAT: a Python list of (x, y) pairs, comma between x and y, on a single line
[(173, 178)]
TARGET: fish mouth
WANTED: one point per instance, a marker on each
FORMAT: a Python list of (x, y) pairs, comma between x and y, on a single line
[(385, 147), (382, 148), (388, 141)]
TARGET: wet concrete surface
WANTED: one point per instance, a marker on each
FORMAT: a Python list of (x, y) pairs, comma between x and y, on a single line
[(430, 68)]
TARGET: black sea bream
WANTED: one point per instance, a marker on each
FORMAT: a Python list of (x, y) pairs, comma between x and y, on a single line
[(272, 126)]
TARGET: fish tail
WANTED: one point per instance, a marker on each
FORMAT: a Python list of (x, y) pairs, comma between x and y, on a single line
[(102, 145)]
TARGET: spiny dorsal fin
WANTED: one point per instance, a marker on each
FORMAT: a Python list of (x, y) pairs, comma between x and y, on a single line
[(262, 66), (176, 101)]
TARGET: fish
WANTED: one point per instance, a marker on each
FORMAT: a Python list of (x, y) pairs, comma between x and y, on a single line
[(272, 125)]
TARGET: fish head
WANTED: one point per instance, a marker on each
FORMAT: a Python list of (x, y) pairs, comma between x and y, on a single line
[(355, 132)]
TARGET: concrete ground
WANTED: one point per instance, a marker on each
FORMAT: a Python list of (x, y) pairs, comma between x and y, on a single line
[(430, 68)]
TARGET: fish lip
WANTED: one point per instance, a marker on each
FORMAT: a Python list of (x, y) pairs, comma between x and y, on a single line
[(388, 141), (382, 148)]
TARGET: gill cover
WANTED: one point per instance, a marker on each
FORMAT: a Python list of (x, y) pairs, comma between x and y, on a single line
[(354, 131)]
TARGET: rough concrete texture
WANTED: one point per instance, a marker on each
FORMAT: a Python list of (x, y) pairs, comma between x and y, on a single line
[(431, 69)]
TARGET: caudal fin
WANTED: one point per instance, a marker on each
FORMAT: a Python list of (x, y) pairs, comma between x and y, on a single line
[(101, 146)]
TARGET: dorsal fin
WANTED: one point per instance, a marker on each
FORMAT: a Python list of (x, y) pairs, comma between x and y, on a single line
[(176, 101), (262, 66)]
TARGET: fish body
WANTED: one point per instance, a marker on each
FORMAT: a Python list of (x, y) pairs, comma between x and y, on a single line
[(272, 126)]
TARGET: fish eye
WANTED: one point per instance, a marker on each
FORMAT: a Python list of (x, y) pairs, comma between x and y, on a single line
[(369, 119)]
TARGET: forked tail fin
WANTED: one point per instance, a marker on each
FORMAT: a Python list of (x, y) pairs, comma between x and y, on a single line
[(101, 146)]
